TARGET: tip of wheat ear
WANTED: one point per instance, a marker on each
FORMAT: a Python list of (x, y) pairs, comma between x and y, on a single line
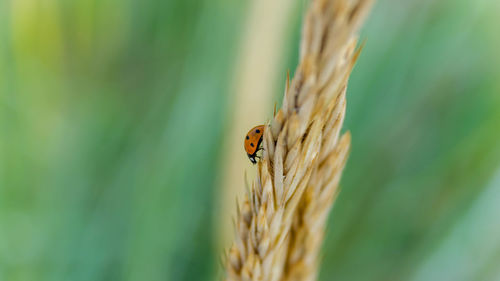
[(280, 223)]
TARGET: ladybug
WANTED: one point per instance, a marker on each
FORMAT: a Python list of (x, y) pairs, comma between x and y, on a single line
[(253, 140)]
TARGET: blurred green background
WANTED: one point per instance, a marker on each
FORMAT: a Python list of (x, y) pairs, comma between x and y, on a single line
[(112, 114)]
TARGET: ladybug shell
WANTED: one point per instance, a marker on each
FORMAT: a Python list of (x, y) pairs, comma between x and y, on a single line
[(253, 140)]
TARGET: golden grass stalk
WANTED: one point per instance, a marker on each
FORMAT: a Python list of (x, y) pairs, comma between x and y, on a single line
[(263, 38), (281, 221)]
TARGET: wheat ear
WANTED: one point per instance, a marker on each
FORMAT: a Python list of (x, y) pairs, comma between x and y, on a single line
[(281, 221)]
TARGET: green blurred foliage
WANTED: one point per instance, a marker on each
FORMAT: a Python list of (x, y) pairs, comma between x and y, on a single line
[(423, 108), (112, 112), (111, 115)]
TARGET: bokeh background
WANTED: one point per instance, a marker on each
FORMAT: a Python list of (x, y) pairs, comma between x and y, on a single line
[(116, 118)]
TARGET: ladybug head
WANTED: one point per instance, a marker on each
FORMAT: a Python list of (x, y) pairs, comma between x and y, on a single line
[(252, 159)]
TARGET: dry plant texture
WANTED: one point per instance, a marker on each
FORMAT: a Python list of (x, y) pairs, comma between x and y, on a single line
[(263, 39), (281, 222)]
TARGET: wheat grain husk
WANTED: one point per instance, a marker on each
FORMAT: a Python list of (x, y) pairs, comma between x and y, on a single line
[(280, 223)]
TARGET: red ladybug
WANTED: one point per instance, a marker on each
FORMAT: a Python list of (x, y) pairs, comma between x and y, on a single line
[(253, 140)]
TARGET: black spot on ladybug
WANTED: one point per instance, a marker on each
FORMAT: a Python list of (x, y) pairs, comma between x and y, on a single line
[(251, 144), (247, 138), (257, 131)]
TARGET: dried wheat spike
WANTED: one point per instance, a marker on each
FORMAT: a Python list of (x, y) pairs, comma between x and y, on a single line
[(280, 224)]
